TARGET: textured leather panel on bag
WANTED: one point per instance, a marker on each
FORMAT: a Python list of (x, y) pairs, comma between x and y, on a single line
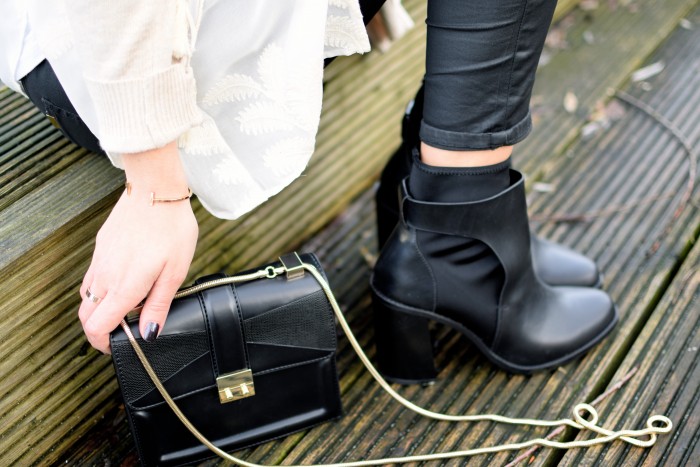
[(168, 355), (294, 324)]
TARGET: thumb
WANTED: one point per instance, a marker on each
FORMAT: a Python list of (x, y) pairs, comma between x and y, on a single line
[(157, 305)]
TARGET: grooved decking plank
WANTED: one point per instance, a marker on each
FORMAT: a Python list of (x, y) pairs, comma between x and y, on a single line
[(665, 352), (48, 391), (623, 35), (26, 224), (636, 159), (666, 382)]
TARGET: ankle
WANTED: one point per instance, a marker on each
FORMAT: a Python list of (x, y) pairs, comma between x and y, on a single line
[(443, 158), (447, 184)]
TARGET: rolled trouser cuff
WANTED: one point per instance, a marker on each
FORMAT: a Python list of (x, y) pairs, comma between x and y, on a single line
[(462, 141)]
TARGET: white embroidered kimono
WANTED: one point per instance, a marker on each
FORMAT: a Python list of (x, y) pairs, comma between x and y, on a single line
[(258, 67)]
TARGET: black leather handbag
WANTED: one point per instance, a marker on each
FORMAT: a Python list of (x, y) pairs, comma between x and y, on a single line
[(246, 361)]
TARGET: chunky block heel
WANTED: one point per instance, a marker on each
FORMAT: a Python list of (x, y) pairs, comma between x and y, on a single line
[(404, 345)]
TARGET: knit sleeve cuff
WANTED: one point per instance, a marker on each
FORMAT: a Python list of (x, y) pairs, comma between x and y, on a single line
[(145, 113)]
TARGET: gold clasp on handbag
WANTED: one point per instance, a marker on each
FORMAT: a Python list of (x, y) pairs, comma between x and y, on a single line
[(293, 265), (234, 386)]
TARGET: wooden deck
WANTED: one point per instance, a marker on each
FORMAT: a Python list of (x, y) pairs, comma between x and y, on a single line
[(604, 178)]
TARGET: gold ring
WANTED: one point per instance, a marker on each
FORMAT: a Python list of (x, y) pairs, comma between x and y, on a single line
[(91, 296)]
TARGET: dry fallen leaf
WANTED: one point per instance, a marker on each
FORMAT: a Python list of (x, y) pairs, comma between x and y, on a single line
[(591, 128), (647, 72), (545, 58), (614, 110), (543, 187), (588, 5), (570, 102), (556, 37), (602, 117)]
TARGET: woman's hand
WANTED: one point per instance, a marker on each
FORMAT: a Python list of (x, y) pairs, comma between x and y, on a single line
[(141, 250)]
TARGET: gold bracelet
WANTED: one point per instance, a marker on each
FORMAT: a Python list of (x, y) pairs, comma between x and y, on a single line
[(160, 200)]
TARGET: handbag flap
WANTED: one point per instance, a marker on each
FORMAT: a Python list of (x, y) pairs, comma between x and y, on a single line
[(286, 323)]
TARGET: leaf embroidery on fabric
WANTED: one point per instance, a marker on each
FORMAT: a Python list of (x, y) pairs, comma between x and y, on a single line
[(271, 68), (264, 117), (287, 156), (204, 140), (278, 103), (262, 110), (230, 171), (338, 32), (236, 87), (345, 33)]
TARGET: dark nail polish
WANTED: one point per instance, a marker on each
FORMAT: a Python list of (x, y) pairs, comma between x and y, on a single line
[(151, 332)]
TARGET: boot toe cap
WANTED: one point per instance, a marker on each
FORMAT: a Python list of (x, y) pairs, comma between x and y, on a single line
[(576, 320), (558, 265), (589, 313)]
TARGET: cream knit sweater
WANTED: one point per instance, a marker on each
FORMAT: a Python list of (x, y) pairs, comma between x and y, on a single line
[(143, 90)]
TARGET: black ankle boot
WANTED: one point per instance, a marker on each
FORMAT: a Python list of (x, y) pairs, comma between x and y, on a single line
[(520, 323), (398, 168), (555, 264)]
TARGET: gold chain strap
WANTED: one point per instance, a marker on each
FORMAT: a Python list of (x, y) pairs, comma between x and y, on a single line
[(656, 424)]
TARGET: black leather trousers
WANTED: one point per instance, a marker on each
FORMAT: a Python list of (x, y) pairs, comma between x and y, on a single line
[(47, 94), (481, 58)]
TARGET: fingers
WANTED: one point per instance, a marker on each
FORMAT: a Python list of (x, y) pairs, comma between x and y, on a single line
[(101, 318), (103, 313), (136, 251), (89, 305), (87, 280), (158, 304), (105, 319)]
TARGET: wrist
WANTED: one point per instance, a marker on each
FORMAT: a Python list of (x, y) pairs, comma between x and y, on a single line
[(155, 199), (156, 171)]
